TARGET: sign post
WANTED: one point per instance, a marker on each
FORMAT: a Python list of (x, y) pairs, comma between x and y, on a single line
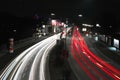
[(11, 45)]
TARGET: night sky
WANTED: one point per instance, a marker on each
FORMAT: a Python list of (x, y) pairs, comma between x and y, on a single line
[(93, 10), (105, 12)]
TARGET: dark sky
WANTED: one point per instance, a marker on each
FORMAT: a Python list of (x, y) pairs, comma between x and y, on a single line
[(103, 11), (29, 7)]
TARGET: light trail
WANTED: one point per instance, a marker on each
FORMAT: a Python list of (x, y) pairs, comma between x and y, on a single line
[(77, 39), (17, 67)]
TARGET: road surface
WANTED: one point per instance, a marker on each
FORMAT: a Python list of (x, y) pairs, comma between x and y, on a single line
[(88, 65), (30, 64)]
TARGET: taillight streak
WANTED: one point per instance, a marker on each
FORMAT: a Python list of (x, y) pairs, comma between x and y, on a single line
[(109, 69), (81, 65), (82, 55)]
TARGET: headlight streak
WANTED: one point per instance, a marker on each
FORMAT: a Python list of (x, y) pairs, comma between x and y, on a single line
[(36, 61), (20, 59), (43, 61), (8, 70), (27, 57)]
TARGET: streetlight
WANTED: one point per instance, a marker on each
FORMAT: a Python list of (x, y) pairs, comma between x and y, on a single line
[(52, 14), (53, 22), (98, 25), (80, 15), (110, 26)]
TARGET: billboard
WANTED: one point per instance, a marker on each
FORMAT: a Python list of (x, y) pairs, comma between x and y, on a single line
[(116, 43)]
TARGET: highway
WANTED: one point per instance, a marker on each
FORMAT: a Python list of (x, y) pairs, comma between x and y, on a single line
[(86, 64), (31, 63), (85, 61)]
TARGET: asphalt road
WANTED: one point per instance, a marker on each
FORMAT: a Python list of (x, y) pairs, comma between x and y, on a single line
[(30, 64), (88, 62), (58, 64), (48, 61), (101, 50), (19, 47)]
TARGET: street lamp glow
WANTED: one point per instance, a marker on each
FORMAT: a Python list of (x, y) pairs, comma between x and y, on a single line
[(14, 30), (80, 15), (52, 14), (43, 26), (54, 22), (98, 25), (87, 25), (110, 26)]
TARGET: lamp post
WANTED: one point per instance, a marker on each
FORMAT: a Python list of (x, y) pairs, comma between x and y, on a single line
[(52, 15), (80, 16), (52, 22)]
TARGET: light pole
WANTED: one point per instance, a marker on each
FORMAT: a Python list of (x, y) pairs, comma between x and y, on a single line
[(80, 16), (52, 22), (52, 15)]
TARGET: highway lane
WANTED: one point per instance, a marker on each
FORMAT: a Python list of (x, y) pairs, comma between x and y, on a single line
[(86, 65), (19, 47), (30, 65), (100, 51)]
